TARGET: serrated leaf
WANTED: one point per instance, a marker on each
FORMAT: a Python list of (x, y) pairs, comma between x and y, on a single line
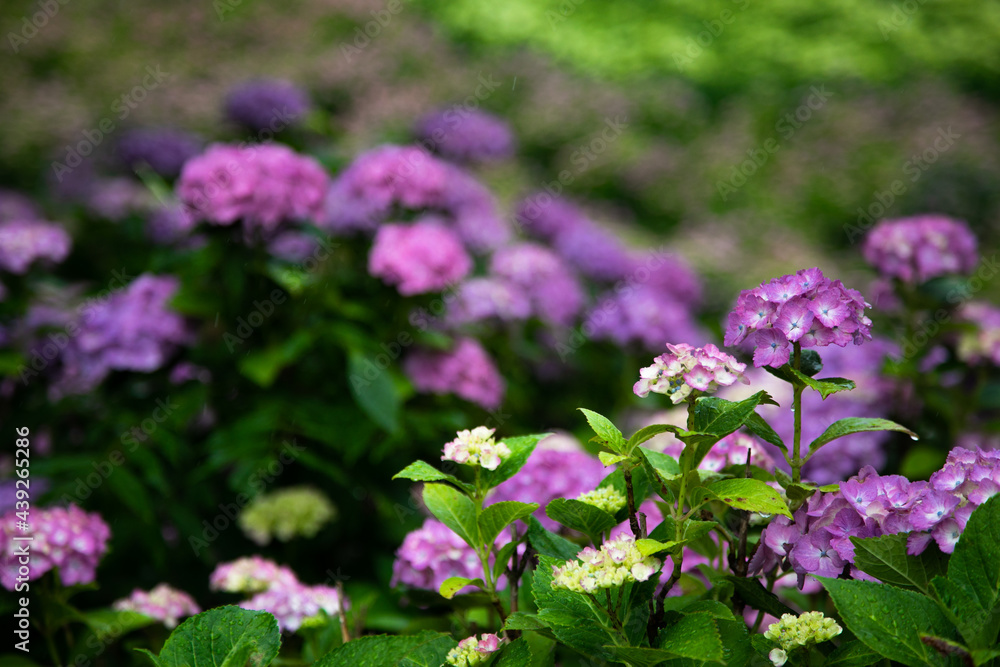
[(842, 427), (974, 568), (886, 559), (455, 510), (751, 495), (112, 623), (713, 419), (649, 547), (520, 448), (568, 614), (852, 654), (609, 459), (377, 650), (691, 530), (494, 518), (521, 620), (640, 656), (547, 543), (452, 585), (647, 432), (973, 622), (431, 654), (589, 520), (605, 430), (760, 428), (514, 654), (755, 595), (374, 391), (225, 636), (662, 463), (825, 386), (693, 636), (890, 620), (419, 471)]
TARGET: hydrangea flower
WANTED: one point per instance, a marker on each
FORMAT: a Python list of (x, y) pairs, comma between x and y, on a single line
[(298, 511), (917, 249), (430, 555), (805, 308), (15, 206), (608, 499), (792, 632), (465, 370), (471, 651), (689, 369), (297, 605), (618, 562), (68, 538), (982, 344), (133, 330), (25, 241), (476, 448), (165, 604), (164, 150), (418, 258), (555, 293), (266, 104), (466, 135), (170, 224), (488, 298), (251, 574), (264, 185)]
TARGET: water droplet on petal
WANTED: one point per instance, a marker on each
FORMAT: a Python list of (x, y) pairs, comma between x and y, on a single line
[(913, 437)]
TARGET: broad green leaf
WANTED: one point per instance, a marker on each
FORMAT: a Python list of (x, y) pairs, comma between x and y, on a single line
[(693, 636), (587, 519), (111, 623), (760, 428), (713, 419), (647, 432), (431, 654), (886, 559), (825, 386), (569, 614), (521, 448), (842, 427), (852, 654), (976, 625), (452, 585), (502, 560), (223, 637), (810, 363), (983, 656), (514, 654), (890, 620), (947, 648), (975, 564), (547, 543), (691, 530), (609, 459), (419, 471), (605, 430), (374, 391), (521, 620), (263, 366), (758, 597), (640, 656), (649, 547), (662, 463), (751, 495), (377, 650), (455, 510), (496, 517)]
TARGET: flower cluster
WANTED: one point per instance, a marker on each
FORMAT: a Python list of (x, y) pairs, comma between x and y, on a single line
[(164, 150), (423, 257), (555, 294), (15, 206), (805, 308), (917, 249), (68, 538), (488, 298), (476, 448), (133, 330), (285, 514), (25, 241), (263, 185), (277, 591), (266, 104), (618, 561), (689, 369), (465, 370), (792, 632), (466, 136), (608, 499), (430, 555), (983, 343), (471, 651), (165, 604)]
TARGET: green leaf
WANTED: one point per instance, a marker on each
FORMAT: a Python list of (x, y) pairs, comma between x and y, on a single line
[(111, 623), (810, 363), (502, 560), (852, 654), (649, 547), (640, 656), (222, 637), (691, 530), (609, 459), (760, 428), (263, 366), (751, 495), (455, 510), (547, 543), (977, 626), (378, 650), (647, 432), (374, 391), (693, 636), (983, 656), (514, 654), (431, 654), (890, 620), (521, 620), (605, 430), (569, 614), (520, 448), (975, 564), (419, 471), (498, 516), (886, 559), (755, 595), (587, 519), (452, 585), (662, 463), (825, 386), (713, 419), (842, 427)]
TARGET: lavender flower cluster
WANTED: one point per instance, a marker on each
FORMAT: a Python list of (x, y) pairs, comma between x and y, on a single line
[(266, 104), (817, 541), (465, 370), (23, 242), (917, 249), (466, 136), (69, 539), (430, 555), (164, 150), (805, 308), (165, 604)]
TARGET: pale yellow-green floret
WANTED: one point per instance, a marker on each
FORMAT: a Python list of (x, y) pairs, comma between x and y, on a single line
[(298, 511), (608, 499)]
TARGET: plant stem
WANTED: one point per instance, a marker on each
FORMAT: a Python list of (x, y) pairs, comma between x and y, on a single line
[(619, 630), (797, 389), (633, 522)]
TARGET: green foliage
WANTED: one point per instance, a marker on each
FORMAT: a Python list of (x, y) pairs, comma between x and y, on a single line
[(607, 433), (547, 543), (850, 425), (494, 518), (589, 520), (387, 650), (455, 510), (222, 637), (419, 471), (751, 495), (520, 449), (886, 559)]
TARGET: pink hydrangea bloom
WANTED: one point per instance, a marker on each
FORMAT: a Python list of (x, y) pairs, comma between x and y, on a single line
[(482, 299), (293, 604), (25, 241), (687, 369), (165, 604), (465, 370), (920, 248), (250, 574), (68, 538), (418, 258), (555, 293), (476, 448), (431, 554)]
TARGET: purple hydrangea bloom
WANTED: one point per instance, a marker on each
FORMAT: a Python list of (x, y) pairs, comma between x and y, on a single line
[(686, 369), (165, 150), (266, 104), (465, 370), (547, 217), (472, 210), (263, 185), (983, 344), (66, 538), (15, 206), (25, 241), (133, 330), (558, 468), (645, 316), (293, 246), (466, 135), (555, 293), (483, 299), (165, 604), (805, 308), (430, 555), (170, 224), (920, 248), (418, 258), (293, 604)]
